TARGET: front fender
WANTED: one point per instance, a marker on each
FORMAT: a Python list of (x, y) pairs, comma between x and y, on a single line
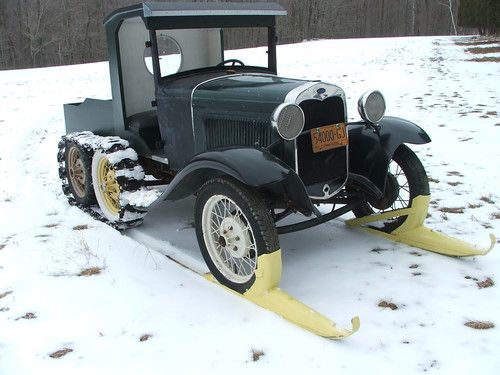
[(370, 151), (256, 168)]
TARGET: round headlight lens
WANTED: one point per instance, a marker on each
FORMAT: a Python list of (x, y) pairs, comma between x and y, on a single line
[(371, 106), (288, 120)]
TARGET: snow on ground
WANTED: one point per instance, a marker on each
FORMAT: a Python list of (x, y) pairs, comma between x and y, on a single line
[(195, 326)]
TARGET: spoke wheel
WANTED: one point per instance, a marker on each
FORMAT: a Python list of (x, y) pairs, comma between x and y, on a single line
[(78, 172), (406, 180), (108, 187), (108, 190), (234, 228), (230, 239)]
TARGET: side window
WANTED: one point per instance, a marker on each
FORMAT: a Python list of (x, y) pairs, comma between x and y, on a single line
[(169, 53)]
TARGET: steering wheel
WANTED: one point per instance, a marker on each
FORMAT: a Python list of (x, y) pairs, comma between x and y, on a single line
[(233, 62)]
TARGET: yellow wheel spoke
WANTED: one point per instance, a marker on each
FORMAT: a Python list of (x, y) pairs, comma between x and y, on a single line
[(109, 186)]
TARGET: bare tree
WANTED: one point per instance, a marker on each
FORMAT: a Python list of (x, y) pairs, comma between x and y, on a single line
[(449, 4), (35, 17)]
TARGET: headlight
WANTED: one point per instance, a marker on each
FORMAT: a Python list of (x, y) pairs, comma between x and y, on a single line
[(371, 106), (288, 120)]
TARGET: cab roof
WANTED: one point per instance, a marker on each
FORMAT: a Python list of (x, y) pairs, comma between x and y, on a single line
[(176, 14)]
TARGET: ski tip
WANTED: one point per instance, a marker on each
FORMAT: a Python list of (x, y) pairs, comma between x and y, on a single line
[(356, 323), (493, 241)]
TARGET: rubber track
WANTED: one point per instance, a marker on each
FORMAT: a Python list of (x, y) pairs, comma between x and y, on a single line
[(127, 184)]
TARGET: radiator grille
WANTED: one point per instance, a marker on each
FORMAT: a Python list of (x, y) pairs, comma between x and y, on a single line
[(222, 132), (323, 166)]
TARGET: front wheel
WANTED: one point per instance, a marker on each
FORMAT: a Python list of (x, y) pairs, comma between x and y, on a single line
[(406, 179), (234, 227)]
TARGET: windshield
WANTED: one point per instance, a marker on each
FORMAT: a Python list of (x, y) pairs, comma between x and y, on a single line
[(192, 49), (238, 41)]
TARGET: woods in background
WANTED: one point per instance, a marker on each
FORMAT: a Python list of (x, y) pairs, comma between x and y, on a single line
[(36, 33)]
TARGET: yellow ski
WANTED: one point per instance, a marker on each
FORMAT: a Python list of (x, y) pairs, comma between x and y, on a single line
[(266, 293), (414, 233)]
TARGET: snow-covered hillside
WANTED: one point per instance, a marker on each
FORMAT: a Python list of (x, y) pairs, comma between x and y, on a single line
[(122, 306)]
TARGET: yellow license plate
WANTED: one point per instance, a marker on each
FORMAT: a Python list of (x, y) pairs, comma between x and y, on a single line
[(329, 137)]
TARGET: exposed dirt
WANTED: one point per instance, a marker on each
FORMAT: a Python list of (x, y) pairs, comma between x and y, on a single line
[(90, 271), (28, 315), (452, 210), (145, 337), (485, 59), (474, 205), (81, 227), (390, 305), (256, 354), (483, 50), (487, 199), (5, 294), (495, 216), (479, 325), (486, 283), (60, 353)]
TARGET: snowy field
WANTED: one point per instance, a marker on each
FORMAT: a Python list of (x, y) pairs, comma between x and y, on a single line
[(143, 313)]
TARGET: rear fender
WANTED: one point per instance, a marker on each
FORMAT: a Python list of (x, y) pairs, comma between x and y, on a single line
[(370, 150), (256, 168)]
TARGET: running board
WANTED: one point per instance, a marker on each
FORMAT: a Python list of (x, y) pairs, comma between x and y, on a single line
[(266, 293), (413, 232)]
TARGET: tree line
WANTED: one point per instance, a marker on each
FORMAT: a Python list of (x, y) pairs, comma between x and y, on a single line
[(36, 33)]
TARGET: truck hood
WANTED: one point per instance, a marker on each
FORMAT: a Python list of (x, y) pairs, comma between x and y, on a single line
[(258, 90)]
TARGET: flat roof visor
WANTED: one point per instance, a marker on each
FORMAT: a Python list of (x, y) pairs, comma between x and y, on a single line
[(179, 9)]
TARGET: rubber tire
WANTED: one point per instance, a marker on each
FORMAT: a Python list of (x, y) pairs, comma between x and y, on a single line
[(257, 213), (418, 184), (88, 198)]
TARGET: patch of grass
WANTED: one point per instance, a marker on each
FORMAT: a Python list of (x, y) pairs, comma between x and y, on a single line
[(3, 309), (60, 353), (413, 266), (378, 250), (256, 354), (452, 210), (455, 173), (417, 274), (5, 294), (90, 271), (488, 199), (455, 183), (51, 225), (483, 50), (81, 227), (495, 216), (145, 337), (465, 139), (28, 315), (492, 113), (435, 180), (476, 324), (415, 253), (486, 283), (485, 59), (474, 205), (476, 42), (390, 305), (2, 246), (471, 278)]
